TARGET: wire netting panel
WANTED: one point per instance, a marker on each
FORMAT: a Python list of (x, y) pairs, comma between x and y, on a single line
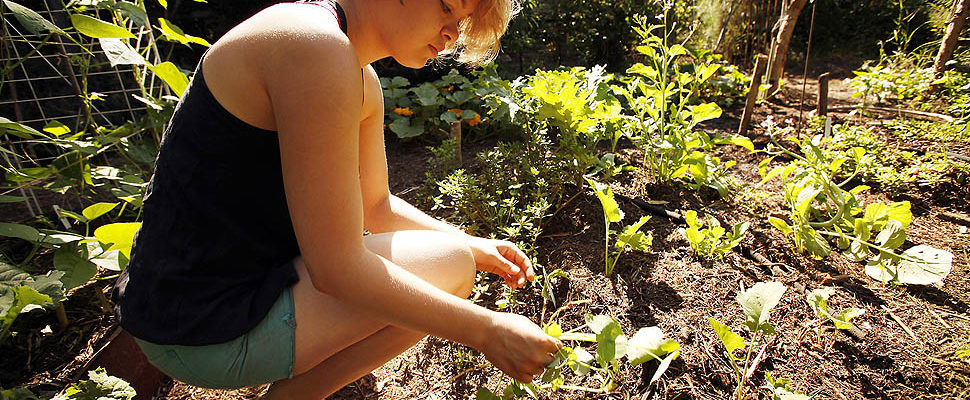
[(52, 74)]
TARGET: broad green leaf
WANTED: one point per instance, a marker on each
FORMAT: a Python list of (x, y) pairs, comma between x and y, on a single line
[(631, 236), (427, 94), (583, 361), (31, 20), (691, 217), (485, 394), (120, 53), (705, 112), (98, 29), (735, 140), (781, 389), (900, 211), (597, 323), (932, 266), (21, 231), (110, 260), (892, 235), (611, 210), (172, 32), (135, 13), (119, 235), (100, 386), (758, 301), (607, 330), (449, 116), (15, 128), (814, 243), (818, 300), (77, 269), (649, 344), (677, 50), (732, 341), (842, 320), (56, 128), (172, 77), (404, 128), (781, 225), (23, 296), (97, 209)]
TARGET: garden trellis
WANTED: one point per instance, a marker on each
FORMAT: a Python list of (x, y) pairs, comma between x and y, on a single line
[(47, 79)]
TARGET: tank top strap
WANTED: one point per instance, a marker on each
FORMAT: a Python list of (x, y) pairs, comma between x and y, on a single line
[(333, 7)]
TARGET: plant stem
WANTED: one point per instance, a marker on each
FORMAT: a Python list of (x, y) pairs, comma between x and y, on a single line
[(747, 358)]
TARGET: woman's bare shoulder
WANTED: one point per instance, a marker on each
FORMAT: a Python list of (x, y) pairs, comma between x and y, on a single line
[(280, 34)]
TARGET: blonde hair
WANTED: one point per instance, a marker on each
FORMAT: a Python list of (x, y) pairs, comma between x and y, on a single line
[(479, 34)]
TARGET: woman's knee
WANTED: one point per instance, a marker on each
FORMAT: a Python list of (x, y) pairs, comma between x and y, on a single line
[(443, 259)]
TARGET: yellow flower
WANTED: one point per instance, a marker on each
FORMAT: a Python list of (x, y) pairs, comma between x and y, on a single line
[(405, 111), (477, 119)]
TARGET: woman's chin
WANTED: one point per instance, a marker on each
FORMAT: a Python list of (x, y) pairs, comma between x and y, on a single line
[(412, 62)]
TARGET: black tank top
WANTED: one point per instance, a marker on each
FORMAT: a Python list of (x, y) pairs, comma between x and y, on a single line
[(215, 246)]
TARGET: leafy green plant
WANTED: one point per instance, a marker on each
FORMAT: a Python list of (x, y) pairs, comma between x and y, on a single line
[(99, 386), (713, 241), (662, 99), (756, 303), (431, 106), (76, 260), (818, 299), (820, 207), (630, 236), (781, 389), (893, 169), (612, 346)]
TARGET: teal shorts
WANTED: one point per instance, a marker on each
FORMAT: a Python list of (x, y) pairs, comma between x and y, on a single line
[(264, 354)]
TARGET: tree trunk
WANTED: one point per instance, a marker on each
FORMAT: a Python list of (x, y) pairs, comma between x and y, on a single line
[(958, 19), (781, 41)]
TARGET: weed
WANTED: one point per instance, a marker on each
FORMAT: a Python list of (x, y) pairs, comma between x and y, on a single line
[(713, 241)]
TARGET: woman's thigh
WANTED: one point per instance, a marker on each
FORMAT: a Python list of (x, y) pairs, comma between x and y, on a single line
[(325, 325)]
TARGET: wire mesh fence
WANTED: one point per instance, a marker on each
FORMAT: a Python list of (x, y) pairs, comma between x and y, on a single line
[(48, 79)]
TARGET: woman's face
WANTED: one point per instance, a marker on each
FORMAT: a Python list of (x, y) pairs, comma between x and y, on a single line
[(424, 27)]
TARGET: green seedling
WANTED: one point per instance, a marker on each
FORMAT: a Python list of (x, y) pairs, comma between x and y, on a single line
[(713, 241), (630, 236), (756, 303), (781, 389), (818, 300), (99, 386), (612, 346)]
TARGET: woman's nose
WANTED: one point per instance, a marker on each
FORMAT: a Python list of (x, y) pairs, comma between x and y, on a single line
[(450, 32)]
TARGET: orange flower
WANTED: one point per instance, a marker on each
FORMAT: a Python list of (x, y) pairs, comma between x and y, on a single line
[(447, 89), (457, 111), (405, 111), (477, 119)]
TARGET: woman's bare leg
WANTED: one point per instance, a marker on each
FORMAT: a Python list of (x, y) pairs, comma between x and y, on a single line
[(337, 344)]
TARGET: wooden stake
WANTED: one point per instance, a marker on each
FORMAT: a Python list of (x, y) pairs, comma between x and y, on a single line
[(61, 316), (759, 71), (823, 94), (456, 134)]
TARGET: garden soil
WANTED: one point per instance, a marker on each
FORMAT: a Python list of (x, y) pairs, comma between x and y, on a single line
[(905, 346)]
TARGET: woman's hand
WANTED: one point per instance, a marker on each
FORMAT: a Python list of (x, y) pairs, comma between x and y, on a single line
[(502, 258), (518, 347)]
